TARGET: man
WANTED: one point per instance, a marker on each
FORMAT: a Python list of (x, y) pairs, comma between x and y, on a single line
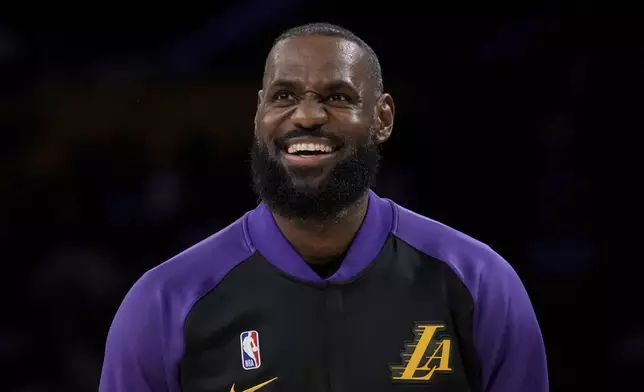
[(336, 288)]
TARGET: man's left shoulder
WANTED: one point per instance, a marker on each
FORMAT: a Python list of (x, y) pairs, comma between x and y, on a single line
[(506, 332), (471, 259)]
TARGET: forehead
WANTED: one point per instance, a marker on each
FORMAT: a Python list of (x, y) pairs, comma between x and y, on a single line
[(316, 59)]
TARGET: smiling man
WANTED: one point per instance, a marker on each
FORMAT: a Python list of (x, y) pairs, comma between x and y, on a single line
[(325, 286)]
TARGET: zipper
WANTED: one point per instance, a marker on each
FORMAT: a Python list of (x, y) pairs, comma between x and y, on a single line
[(335, 336)]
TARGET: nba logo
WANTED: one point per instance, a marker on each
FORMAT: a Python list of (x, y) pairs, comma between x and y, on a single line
[(251, 357)]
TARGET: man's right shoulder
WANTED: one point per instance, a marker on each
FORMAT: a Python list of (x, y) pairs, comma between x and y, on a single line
[(202, 266), (146, 336)]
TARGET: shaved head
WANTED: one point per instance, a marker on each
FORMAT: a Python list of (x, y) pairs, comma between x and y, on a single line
[(330, 30)]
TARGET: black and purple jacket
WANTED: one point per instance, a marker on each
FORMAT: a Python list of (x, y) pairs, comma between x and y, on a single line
[(414, 306)]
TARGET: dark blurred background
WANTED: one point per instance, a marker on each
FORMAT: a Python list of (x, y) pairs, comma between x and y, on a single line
[(125, 134)]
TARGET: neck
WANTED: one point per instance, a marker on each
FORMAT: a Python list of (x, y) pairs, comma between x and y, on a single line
[(320, 241)]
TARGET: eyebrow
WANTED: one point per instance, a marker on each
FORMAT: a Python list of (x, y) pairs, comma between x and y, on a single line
[(335, 85)]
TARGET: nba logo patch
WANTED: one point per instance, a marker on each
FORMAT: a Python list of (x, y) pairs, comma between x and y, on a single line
[(251, 356)]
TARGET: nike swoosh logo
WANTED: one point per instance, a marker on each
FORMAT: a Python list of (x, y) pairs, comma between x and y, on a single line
[(256, 387)]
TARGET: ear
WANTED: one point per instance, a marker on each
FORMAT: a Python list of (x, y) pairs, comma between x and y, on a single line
[(260, 101), (260, 98), (385, 111)]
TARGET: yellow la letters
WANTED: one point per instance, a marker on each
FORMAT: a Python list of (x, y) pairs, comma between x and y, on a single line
[(420, 359)]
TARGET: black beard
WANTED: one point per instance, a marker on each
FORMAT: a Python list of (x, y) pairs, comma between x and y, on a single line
[(344, 185)]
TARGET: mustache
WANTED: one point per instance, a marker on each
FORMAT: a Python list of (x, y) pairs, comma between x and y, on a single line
[(320, 132)]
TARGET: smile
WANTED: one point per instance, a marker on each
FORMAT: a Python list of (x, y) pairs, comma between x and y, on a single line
[(309, 148), (308, 151)]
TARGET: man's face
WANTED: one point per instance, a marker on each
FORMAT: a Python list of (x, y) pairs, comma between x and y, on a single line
[(318, 128)]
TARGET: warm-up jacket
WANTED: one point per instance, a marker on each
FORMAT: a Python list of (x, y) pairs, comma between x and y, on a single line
[(414, 306)]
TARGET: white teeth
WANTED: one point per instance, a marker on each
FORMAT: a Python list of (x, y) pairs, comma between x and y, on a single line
[(308, 147)]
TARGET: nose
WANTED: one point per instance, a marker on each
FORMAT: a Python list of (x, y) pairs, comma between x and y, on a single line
[(309, 114)]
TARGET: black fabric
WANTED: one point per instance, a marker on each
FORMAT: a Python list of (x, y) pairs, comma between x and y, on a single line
[(342, 336), (328, 268)]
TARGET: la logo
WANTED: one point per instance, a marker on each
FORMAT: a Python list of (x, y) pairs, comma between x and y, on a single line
[(424, 357)]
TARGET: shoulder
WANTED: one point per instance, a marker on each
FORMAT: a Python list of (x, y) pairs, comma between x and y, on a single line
[(145, 340), (506, 332), (200, 267), (473, 261), (169, 290)]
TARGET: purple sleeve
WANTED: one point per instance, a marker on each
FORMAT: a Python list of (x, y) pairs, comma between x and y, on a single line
[(136, 352), (506, 331), (507, 336), (145, 342)]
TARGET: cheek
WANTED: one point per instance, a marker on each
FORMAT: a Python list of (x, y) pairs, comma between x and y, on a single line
[(269, 124), (353, 118), (356, 126), (265, 134)]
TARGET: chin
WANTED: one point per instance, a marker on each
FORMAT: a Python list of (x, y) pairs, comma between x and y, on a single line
[(308, 184)]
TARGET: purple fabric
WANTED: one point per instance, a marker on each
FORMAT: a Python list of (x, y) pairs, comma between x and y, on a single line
[(145, 342), (506, 332), (368, 242)]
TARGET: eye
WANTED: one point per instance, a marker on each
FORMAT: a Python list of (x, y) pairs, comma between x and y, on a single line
[(338, 98), (282, 96)]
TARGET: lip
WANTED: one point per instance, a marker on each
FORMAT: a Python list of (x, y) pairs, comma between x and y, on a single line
[(308, 160), (309, 139)]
